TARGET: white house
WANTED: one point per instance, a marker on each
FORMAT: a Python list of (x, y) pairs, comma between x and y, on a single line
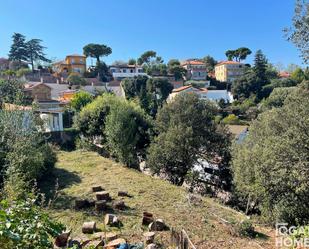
[(203, 93), (120, 72)]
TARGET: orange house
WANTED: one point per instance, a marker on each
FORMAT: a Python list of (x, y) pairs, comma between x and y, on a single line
[(72, 64)]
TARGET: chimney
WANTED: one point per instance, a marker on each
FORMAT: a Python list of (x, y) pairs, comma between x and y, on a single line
[(42, 81), (57, 81)]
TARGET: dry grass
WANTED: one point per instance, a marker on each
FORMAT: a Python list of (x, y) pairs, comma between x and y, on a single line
[(77, 171)]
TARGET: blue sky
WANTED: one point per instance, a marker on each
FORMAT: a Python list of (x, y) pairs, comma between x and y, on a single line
[(174, 28)]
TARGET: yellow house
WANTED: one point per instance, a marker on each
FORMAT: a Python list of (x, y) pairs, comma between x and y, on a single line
[(72, 64), (229, 71)]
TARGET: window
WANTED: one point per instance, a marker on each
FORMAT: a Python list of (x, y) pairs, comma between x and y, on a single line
[(72, 61), (81, 60)]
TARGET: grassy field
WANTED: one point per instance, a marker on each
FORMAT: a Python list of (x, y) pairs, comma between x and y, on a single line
[(77, 171)]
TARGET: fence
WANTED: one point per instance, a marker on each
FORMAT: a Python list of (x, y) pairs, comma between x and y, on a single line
[(181, 240)]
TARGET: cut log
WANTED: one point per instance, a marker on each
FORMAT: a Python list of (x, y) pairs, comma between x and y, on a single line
[(100, 205), (79, 242), (152, 246), (147, 218), (97, 189), (95, 244), (62, 239), (115, 243), (123, 194), (149, 237), (119, 205), (157, 225), (89, 227), (111, 220), (106, 236), (103, 195), (81, 203)]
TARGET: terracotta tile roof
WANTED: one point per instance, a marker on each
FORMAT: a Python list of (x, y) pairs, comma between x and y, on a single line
[(193, 62), (114, 83), (180, 89), (284, 74), (228, 63)]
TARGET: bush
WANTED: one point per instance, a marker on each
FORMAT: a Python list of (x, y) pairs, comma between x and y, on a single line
[(76, 79), (23, 148), (25, 225), (245, 228), (231, 119), (80, 99)]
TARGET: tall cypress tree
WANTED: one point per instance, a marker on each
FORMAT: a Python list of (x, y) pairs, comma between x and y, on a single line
[(18, 51), (260, 66)]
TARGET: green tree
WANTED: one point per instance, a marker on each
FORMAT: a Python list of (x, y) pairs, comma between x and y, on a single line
[(11, 91), (35, 52), (80, 99), (96, 51), (127, 131), (210, 63), (23, 150), (132, 61), (76, 79), (242, 53), (187, 133), (299, 32), (298, 75), (270, 167), (146, 57), (151, 93), (18, 51), (176, 69), (230, 54)]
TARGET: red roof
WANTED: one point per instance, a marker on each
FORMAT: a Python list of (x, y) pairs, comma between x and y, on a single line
[(284, 74), (180, 89), (193, 62)]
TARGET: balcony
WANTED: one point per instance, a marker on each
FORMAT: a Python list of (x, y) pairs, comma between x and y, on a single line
[(128, 75)]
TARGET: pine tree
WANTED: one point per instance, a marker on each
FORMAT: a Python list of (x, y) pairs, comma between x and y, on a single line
[(18, 51), (35, 51), (260, 66)]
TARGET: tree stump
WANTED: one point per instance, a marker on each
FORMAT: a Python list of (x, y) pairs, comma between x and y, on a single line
[(111, 219), (115, 243), (95, 244), (157, 225), (97, 189), (109, 236), (119, 205), (103, 195), (81, 203), (152, 246), (100, 205), (89, 227), (123, 194), (147, 218), (62, 239), (149, 237)]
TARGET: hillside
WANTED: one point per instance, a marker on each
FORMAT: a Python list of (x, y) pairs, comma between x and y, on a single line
[(77, 171)]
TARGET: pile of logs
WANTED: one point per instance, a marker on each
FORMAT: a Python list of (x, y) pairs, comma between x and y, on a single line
[(107, 240)]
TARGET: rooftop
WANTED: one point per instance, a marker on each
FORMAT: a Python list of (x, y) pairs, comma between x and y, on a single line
[(228, 63)]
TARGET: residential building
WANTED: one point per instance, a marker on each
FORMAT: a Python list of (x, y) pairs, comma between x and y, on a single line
[(203, 93), (284, 74), (120, 72), (37, 91), (229, 71), (196, 70), (4, 64), (72, 64)]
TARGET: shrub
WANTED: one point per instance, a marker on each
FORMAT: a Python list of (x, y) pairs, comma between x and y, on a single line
[(76, 79), (25, 225), (245, 228), (231, 119)]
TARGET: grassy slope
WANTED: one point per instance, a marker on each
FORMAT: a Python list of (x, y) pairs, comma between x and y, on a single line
[(78, 171)]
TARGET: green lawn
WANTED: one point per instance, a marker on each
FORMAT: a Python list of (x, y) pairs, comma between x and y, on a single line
[(77, 171)]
